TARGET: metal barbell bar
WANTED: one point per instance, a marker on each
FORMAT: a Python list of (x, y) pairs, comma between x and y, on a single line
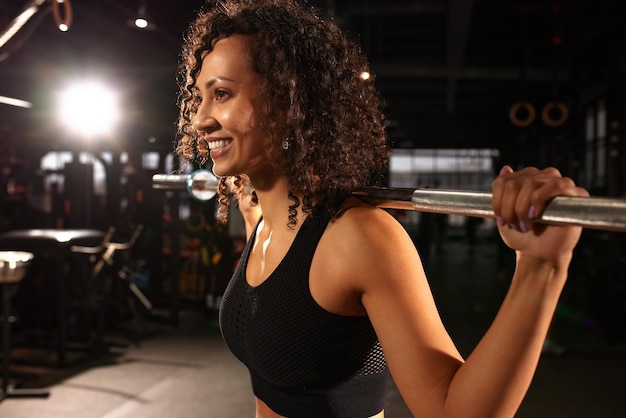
[(201, 184), (602, 213)]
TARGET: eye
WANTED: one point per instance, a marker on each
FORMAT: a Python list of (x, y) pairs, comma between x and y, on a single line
[(221, 94)]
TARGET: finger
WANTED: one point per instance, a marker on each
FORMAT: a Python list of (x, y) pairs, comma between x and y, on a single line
[(524, 213), (528, 182), (498, 186), (517, 189), (540, 198)]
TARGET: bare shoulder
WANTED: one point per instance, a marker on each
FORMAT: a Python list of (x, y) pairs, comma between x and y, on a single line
[(357, 217), (360, 253), (366, 240)]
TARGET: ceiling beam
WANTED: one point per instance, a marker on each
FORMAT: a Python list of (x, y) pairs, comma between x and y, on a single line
[(402, 70)]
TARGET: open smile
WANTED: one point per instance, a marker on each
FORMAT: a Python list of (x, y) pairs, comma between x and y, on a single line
[(219, 144)]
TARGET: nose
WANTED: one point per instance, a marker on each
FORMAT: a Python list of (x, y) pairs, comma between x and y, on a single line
[(204, 120)]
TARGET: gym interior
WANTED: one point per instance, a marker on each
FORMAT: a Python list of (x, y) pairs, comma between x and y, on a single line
[(111, 285)]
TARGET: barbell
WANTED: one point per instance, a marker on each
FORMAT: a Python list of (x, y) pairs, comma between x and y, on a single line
[(602, 213)]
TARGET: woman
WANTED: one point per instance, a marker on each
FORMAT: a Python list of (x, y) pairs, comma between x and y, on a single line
[(330, 292)]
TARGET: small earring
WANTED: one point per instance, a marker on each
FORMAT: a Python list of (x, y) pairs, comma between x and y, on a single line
[(285, 143)]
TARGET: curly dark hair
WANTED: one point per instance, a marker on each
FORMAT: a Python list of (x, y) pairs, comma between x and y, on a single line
[(316, 98), (238, 186)]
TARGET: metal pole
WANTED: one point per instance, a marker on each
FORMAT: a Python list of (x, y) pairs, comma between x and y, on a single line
[(589, 212), (170, 181), (16, 24), (608, 214), (6, 335)]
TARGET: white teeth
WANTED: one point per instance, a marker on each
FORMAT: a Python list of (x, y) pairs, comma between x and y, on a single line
[(213, 145)]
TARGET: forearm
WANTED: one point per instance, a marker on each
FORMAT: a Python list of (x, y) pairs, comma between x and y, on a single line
[(496, 376)]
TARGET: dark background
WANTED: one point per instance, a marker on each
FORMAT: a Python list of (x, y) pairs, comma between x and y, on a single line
[(449, 70)]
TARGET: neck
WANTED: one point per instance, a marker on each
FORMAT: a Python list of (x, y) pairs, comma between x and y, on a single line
[(274, 201)]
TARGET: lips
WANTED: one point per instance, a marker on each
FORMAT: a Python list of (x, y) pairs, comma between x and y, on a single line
[(219, 147)]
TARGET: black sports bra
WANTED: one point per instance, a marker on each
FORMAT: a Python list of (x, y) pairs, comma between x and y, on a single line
[(303, 360)]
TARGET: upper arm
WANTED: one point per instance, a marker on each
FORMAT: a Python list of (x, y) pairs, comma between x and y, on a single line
[(387, 271)]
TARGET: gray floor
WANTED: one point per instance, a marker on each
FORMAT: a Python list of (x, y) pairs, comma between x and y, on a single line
[(185, 370)]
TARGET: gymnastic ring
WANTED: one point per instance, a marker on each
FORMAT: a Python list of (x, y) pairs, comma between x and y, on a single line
[(545, 114), (67, 7), (195, 222), (522, 122)]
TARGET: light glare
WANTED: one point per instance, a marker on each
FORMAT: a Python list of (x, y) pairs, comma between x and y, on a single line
[(89, 109), (141, 23)]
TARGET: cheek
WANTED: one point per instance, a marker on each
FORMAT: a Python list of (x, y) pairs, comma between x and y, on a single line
[(247, 124), (238, 119), (249, 129)]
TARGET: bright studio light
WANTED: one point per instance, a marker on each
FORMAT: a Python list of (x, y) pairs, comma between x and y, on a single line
[(89, 109), (141, 23)]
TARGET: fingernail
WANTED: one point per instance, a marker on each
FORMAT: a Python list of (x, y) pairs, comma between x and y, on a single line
[(531, 213), (523, 226), (515, 227), (500, 220)]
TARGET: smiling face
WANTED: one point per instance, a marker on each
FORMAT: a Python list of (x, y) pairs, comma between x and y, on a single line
[(228, 118)]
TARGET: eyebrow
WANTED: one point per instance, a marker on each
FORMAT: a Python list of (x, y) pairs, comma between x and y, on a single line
[(214, 80)]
